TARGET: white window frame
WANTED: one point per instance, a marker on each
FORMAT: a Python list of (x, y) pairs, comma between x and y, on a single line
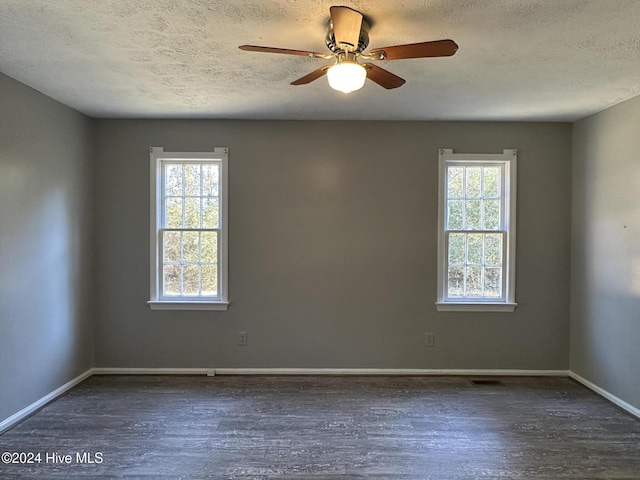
[(508, 161), (157, 302)]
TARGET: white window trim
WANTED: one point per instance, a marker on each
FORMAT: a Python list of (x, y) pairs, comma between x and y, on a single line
[(509, 158), (157, 155)]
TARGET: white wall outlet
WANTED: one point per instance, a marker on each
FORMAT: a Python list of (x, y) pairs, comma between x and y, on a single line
[(429, 339), (242, 339)]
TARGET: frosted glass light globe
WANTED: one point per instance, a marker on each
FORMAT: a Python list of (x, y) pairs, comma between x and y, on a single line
[(346, 76)]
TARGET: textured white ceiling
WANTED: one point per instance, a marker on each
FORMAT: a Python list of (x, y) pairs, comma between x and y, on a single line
[(518, 59)]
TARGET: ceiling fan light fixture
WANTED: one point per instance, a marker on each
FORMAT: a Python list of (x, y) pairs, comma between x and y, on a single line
[(346, 76), (347, 38)]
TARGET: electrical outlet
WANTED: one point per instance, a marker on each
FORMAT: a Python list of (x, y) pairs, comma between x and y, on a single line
[(242, 339), (429, 339)]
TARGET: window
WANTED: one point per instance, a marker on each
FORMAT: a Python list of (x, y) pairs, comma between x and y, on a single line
[(477, 232), (189, 230)]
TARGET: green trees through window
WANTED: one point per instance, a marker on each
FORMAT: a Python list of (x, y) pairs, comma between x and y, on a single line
[(473, 213), (190, 229)]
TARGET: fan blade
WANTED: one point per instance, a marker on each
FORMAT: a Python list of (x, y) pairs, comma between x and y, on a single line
[(286, 51), (347, 23), (439, 48), (383, 77), (316, 74)]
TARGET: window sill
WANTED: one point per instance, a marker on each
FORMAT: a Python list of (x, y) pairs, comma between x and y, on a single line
[(475, 307), (177, 305)]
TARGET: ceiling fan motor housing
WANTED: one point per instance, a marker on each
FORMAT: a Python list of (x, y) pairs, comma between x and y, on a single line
[(363, 39)]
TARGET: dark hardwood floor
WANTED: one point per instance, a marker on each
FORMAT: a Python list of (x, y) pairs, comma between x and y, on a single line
[(327, 428)]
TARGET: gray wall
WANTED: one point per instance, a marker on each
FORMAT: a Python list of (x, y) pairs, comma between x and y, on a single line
[(332, 248), (45, 245), (605, 306)]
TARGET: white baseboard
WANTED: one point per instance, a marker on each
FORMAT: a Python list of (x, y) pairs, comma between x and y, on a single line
[(25, 412), (329, 371), (151, 371), (387, 372), (609, 396)]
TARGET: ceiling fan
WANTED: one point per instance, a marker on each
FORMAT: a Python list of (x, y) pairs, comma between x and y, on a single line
[(347, 38)]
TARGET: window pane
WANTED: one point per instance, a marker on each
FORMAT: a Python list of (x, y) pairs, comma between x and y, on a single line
[(173, 213), (190, 247), (454, 184), (173, 180), (171, 280), (491, 182), (210, 280), (473, 181), (210, 216), (190, 209), (472, 215), (456, 248), (493, 282), (191, 281), (192, 212), (454, 215), (171, 247), (192, 180), (474, 248), (209, 247), (210, 180), (491, 214), (456, 282), (474, 282), (493, 249)]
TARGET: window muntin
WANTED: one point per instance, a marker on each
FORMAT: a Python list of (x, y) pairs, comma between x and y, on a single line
[(477, 228), (188, 227)]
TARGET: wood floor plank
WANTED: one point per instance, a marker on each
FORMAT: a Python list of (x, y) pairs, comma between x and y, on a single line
[(267, 428)]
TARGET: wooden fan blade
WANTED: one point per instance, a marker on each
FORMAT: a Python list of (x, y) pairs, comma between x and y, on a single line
[(347, 23), (286, 51), (316, 74), (439, 48), (383, 77)]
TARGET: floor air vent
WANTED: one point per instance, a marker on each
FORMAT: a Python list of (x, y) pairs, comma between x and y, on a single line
[(485, 381)]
